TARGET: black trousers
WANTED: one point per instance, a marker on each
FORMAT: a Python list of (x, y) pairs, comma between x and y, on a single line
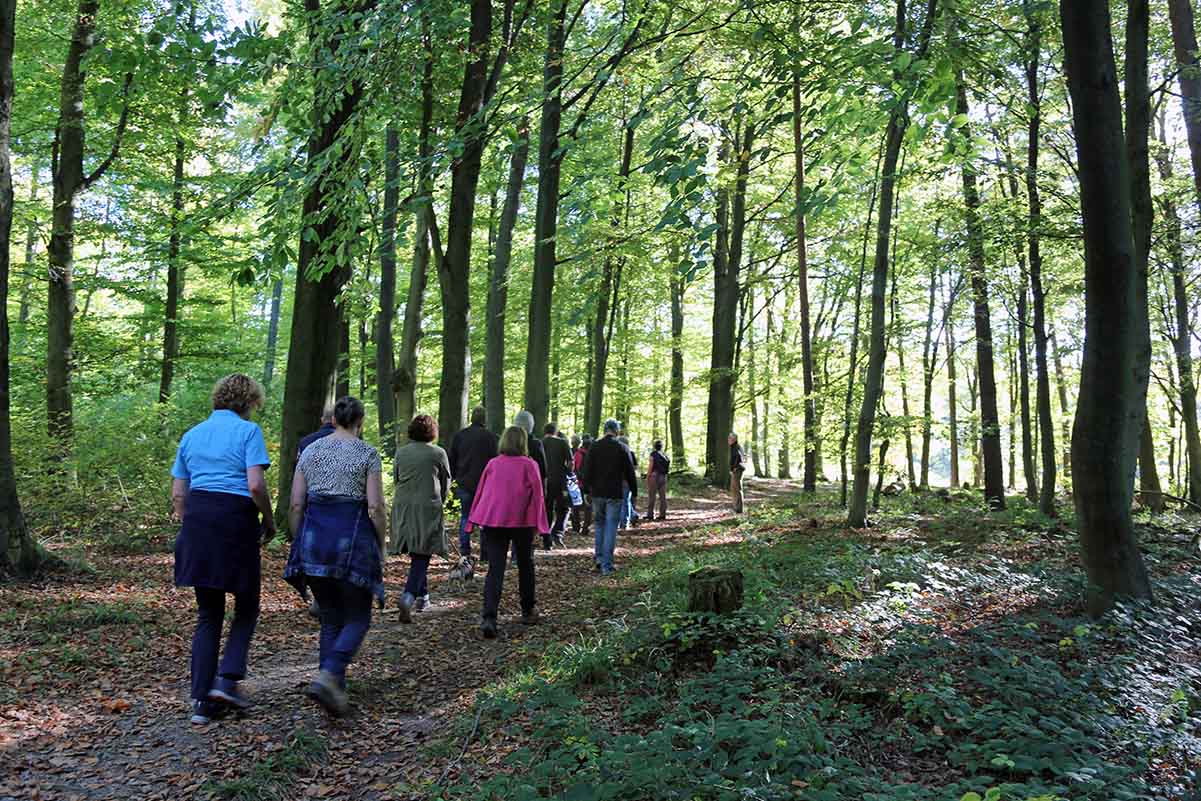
[(558, 507), (496, 545)]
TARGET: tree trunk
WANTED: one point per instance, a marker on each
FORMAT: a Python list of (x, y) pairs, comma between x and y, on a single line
[(18, 552), (1183, 337), (809, 420), (454, 270), (31, 236), (404, 378), (1184, 44), (856, 327), (990, 427), (606, 296), (675, 412), (385, 357), (727, 261), (68, 180), (277, 296), (929, 357), (1150, 490), (873, 388), (752, 388), (952, 406), (1113, 388), (317, 322), (899, 344), (498, 284), (174, 265), (342, 387), (1042, 399), (1061, 387), (546, 222)]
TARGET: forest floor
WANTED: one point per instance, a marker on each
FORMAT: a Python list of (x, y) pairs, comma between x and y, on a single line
[(941, 654)]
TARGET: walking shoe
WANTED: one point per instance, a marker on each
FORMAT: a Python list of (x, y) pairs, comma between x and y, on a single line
[(406, 607), (327, 691), (531, 618), (488, 628), (225, 691), (205, 712), (661, 517), (559, 541), (422, 603)]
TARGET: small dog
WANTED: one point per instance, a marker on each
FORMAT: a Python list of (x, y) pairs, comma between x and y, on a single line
[(461, 573)]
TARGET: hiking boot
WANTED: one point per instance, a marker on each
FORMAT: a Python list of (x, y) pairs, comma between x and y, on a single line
[(406, 607), (488, 628), (327, 690), (205, 712), (559, 541), (225, 691), (422, 603), (531, 618)]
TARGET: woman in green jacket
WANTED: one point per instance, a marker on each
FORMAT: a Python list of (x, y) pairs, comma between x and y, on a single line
[(422, 480)]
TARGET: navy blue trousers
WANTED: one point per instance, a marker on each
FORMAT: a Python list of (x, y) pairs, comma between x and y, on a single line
[(206, 642)]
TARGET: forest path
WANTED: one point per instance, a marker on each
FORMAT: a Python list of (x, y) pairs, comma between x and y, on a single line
[(98, 709)]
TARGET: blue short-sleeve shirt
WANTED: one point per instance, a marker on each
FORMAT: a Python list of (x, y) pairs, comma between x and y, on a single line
[(215, 454)]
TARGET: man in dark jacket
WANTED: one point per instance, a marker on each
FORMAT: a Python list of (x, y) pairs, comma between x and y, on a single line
[(327, 428), (558, 465), (608, 472), (470, 450)]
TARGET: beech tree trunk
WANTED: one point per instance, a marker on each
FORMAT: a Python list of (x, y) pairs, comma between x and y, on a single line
[(1183, 335), (546, 223), (277, 296), (1150, 490), (18, 552), (175, 267), (952, 406), (676, 413), (69, 180), (498, 284), (1042, 392), (385, 357), (727, 261), (606, 296), (404, 377), (1113, 386), (873, 385), (454, 270), (809, 421), (990, 426), (31, 237), (317, 323), (1184, 44)]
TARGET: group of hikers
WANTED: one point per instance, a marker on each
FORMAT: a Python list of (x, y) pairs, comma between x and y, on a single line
[(508, 487)]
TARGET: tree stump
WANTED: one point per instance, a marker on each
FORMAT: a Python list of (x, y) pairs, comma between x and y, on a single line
[(715, 589)]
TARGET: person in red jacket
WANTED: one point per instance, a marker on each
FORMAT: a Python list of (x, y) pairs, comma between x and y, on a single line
[(510, 505)]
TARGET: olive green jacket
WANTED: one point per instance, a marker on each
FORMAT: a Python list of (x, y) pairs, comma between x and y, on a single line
[(422, 481)]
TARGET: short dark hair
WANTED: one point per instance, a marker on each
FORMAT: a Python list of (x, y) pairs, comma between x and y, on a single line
[(478, 416), (348, 411), (423, 429), (658, 444), (550, 428)]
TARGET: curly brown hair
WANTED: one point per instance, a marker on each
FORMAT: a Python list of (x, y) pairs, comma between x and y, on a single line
[(423, 429), (239, 393)]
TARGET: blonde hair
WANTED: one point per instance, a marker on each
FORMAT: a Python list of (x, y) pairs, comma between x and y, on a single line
[(515, 442), (237, 392)]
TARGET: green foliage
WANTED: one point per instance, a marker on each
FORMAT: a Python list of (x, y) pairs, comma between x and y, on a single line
[(1033, 704)]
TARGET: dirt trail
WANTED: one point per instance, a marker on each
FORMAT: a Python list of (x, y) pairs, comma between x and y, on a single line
[(78, 740)]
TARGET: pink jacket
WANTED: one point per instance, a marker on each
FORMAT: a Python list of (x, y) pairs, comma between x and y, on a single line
[(509, 495)]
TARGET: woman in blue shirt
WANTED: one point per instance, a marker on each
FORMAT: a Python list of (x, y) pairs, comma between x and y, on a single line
[(219, 492)]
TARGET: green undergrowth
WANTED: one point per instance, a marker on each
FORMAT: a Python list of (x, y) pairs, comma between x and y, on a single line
[(940, 655), (275, 775)]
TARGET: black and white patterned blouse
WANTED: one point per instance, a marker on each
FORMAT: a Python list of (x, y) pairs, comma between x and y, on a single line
[(334, 465)]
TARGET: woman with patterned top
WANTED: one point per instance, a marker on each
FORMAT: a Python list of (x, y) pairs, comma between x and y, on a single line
[(340, 520)]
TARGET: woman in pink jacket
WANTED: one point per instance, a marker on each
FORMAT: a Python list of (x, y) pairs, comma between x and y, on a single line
[(509, 505)]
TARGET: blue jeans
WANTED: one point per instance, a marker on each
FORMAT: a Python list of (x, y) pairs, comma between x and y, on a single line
[(466, 497), (206, 642), (345, 618), (606, 513)]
